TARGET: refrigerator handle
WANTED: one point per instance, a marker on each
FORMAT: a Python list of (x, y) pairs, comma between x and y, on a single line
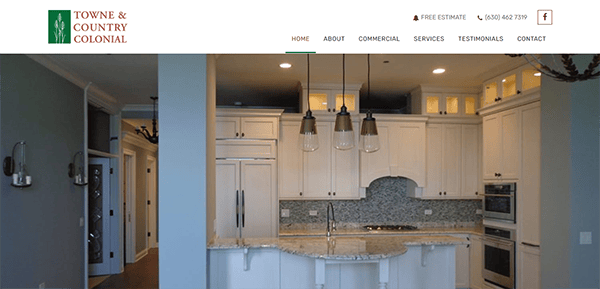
[(243, 209), (237, 209)]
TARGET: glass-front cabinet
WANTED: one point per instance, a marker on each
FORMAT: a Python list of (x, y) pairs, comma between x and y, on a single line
[(517, 82), (328, 98), (444, 103)]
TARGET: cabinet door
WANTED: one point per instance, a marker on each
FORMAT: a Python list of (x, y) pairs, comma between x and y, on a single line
[(451, 172), (290, 161), (511, 144), (476, 262), (337, 99), (409, 159), (227, 127), (462, 264), (433, 103), (259, 127), (452, 104), (492, 155), (529, 268), (227, 190), (258, 199), (529, 193), (434, 162), (470, 161), (317, 165), (345, 171)]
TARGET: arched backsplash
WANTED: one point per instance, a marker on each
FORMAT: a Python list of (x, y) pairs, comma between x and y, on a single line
[(386, 202)]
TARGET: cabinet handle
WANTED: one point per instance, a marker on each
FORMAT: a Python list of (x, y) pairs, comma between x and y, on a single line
[(329, 109), (237, 134), (444, 193), (440, 193), (445, 112), (243, 209), (530, 245), (334, 193), (334, 110), (329, 193), (242, 134), (468, 245), (518, 92), (300, 193), (440, 112), (476, 193), (237, 209)]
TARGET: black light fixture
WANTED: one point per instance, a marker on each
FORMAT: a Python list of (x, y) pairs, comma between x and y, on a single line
[(568, 72), (343, 135), (308, 140), (369, 139), (154, 137)]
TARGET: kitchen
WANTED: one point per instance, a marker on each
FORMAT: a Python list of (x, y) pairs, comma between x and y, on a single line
[(387, 187)]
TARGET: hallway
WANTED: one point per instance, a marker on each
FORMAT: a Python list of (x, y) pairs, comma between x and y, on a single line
[(142, 274)]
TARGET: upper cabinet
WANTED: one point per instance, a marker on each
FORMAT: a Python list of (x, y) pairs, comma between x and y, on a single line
[(247, 124), (327, 98), (436, 101), (326, 173), (501, 145), (521, 81)]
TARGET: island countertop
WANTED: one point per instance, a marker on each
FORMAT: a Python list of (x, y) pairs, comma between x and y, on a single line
[(339, 247)]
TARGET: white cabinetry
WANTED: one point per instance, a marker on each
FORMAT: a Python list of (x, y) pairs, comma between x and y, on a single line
[(452, 161), (448, 102), (227, 269), (529, 191), (326, 98), (326, 173), (246, 198), (501, 145), (402, 151), (529, 267), (462, 263), (247, 127), (512, 84), (476, 262)]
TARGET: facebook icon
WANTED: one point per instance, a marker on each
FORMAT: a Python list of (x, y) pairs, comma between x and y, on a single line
[(544, 17)]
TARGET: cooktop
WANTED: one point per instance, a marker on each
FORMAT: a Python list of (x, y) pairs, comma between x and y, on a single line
[(390, 227)]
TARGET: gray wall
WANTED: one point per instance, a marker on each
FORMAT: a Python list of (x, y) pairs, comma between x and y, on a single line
[(182, 165), (41, 237), (141, 206), (569, 186), (385, 203)]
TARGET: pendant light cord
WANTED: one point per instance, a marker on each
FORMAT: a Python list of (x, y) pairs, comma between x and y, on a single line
[(308, 80), (344, 80), (369, 80)]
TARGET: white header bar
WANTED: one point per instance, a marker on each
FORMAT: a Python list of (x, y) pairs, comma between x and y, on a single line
[(306, 26)]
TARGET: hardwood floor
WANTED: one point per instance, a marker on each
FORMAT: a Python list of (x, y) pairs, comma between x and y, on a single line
[(142, 274)]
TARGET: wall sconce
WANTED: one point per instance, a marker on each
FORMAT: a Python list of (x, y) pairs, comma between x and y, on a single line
[(21, 178), (77, 171)]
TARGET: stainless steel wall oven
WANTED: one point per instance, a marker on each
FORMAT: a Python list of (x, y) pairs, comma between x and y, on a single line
[(499, 256), (499, 201)]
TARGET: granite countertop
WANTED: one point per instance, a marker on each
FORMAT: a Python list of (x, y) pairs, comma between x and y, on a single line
[(353, 231), (339, 247)]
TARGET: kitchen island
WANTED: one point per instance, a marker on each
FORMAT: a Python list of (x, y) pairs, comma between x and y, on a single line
[(337, 262)]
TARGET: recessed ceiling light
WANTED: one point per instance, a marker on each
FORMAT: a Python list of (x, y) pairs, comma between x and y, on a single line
[(439, 70), (285, 65), (537, 74), (504, 80)]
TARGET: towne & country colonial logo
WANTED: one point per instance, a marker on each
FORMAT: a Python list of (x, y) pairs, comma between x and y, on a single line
[(59, 26), (86, 27)]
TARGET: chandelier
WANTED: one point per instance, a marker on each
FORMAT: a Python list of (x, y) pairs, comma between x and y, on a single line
[(153, 138), (565, 71)]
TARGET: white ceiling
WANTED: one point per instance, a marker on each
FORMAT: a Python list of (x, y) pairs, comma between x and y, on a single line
[(132, 79)]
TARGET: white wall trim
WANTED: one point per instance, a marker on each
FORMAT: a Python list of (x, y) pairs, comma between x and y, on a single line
[(141, 254), (130, 205), (151, 196), (139, 141), (139, 107), (96, 96)]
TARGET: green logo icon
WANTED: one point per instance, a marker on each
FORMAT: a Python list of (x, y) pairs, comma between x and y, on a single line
[(59, 26)]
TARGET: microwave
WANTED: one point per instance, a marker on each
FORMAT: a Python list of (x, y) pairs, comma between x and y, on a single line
[(499, 201)]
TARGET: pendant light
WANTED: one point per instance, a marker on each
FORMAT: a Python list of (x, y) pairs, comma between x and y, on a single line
[(153, 138), (369, 140), (308, 140), (343, 135)]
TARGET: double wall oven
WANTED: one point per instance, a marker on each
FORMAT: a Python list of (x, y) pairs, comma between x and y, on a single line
[(499, 204)]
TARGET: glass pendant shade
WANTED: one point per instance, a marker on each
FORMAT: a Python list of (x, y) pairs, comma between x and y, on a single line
[(369, 139), (308, 140), (343, 135)]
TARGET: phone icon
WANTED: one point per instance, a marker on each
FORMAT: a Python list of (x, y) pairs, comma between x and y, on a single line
[(479, 18)]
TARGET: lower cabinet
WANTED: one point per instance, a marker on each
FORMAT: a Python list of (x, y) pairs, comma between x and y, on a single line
[(529, 267), (476, 263), (227, 269), (462, 263)]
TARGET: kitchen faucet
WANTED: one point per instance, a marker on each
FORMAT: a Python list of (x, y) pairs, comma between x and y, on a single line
[(332, 227)]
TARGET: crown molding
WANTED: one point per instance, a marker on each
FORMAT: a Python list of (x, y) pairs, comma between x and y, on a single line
[(139, 107), (139, 141), (96, 96)]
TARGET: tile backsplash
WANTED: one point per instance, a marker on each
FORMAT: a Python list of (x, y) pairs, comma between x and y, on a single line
[(385, 203)]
